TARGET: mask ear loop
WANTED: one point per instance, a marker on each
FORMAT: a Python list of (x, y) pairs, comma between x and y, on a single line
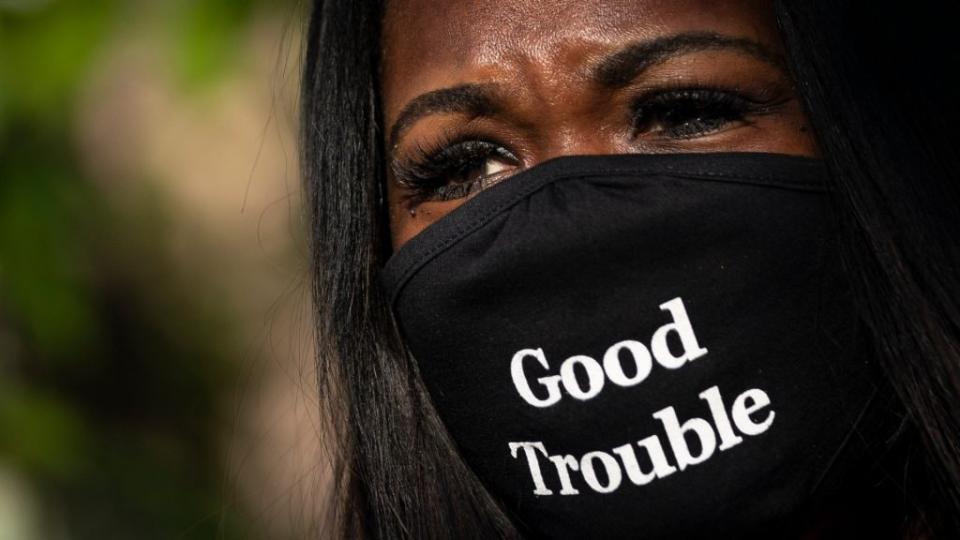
[(384, 212), (381, 177), (381, 198)]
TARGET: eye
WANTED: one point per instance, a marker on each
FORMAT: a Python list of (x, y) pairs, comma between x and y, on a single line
[(455, 170), (691, 112)]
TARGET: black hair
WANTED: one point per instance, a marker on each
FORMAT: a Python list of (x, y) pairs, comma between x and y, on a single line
[(396, 471), (873, 79), (884, 135)]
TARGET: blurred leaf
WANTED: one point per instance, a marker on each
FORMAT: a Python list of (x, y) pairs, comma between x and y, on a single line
[(209, 38), (44, 53), (41, 433), (114, 401), (42, 263)]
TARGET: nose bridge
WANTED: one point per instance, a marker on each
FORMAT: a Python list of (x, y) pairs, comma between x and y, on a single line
[(575, 138), (567, 131)]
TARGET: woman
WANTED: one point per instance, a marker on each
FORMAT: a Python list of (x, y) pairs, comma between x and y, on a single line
[(635, 269)]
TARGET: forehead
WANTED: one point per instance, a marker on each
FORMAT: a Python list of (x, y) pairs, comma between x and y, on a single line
[(428, 44)]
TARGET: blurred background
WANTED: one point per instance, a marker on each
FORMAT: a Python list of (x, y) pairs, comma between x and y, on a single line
[(155, 345)]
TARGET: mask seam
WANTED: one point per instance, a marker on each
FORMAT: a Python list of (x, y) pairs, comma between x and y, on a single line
[(464, 229)]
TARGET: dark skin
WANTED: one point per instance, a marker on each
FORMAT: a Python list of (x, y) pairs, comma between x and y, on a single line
[(475, 91), (483, 89)]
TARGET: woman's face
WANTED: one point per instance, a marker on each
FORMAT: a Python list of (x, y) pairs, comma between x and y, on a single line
[(475, 91)]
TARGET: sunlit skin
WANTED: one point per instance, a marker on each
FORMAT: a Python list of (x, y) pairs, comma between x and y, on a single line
[(538, 63)]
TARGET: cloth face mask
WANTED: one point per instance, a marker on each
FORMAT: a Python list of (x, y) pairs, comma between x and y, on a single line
[(641, 346)]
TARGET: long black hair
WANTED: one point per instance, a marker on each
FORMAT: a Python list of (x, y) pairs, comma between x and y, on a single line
[(874, 84)]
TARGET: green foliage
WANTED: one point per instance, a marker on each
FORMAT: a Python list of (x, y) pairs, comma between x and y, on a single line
[(45, 52), (208, 41), (115, 399), (116, 369)]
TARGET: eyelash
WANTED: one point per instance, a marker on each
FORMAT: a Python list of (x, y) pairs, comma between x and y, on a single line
[(695, 112), (428, 174), (679, 114)]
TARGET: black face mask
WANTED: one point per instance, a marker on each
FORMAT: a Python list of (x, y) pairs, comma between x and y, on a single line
[(642, 346)]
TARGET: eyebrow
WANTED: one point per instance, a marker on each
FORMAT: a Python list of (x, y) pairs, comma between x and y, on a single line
[(473, 99), (623, 66), (613, 71)]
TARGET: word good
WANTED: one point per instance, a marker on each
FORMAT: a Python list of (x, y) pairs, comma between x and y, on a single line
[(745, 407), (612, 370)]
